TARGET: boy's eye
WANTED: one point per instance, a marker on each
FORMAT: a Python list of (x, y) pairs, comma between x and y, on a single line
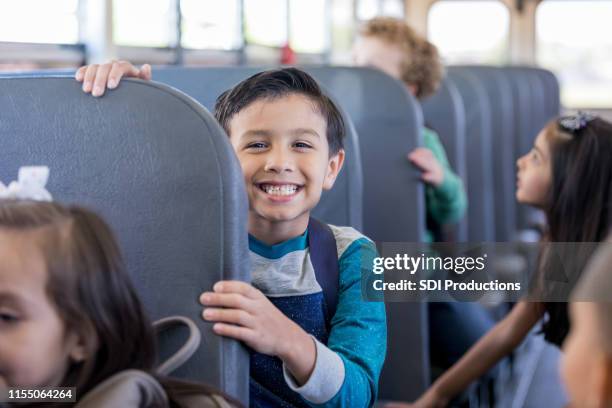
[(302, 145), (8, 318), (256, 145)]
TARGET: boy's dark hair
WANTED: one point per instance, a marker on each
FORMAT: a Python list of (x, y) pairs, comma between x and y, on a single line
[(277, 83)]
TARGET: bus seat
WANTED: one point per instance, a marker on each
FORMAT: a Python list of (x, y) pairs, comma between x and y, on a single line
[(481, 212), (388, 121), (444, 112), (157, 166), (499, 94)]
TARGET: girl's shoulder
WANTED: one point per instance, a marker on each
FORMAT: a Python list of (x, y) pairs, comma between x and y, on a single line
[(138, 389), (129, 388)]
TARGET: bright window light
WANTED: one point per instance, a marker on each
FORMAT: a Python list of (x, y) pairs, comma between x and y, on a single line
[(470, 32), (39, 21), (144, 23), (308, 25), (574, 39), (266, 22), (211, 24)]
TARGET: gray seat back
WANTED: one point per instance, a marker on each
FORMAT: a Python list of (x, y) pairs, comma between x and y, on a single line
[(388, 122), (529, 89), (499, 92), (479, 160), (522, 86), (553, 92), (444, 112), (163, 174), (340, 206)]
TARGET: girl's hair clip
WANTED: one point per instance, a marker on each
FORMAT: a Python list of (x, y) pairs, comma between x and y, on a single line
[(30, 185), (575, 123)]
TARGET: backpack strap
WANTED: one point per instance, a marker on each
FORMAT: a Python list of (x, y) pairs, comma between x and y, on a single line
[(186, 351), (324, 258)]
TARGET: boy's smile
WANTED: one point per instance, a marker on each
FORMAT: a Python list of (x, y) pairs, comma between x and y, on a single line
[(284, 154)]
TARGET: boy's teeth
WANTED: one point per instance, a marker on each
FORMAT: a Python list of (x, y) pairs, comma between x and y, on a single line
[(287, 189)]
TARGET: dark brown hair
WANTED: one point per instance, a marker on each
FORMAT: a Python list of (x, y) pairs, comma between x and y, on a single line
[(275, 84), (579, 206), (91, 291)]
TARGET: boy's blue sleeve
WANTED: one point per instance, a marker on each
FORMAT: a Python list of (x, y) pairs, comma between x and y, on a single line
[(359, 331)]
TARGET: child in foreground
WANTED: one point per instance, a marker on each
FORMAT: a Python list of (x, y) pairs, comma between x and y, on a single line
[(288, 136), (69, 316)]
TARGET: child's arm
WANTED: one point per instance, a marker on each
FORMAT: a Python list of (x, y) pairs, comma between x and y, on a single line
[(96, 78), (359, 329), (343, 373), (446, 198), (501, 340)]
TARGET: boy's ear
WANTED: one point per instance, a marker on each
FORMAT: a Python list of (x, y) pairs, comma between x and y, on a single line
[(602, 394), (334, 165)]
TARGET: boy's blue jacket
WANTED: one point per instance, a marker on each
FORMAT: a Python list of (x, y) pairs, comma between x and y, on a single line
[(350, 356)]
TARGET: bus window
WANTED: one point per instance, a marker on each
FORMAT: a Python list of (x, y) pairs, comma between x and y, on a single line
[(266, 22), (39, 21), (470, 32), (574, 39), (367, 9), (393, 8), (210, 24), (309, 25), (144, 23)]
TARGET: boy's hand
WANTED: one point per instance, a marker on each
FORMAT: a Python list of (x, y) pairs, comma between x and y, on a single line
[(96, 78), (246, 314), (424, 159)]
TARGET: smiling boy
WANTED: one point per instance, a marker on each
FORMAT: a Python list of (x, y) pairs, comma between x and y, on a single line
[(288, 136)]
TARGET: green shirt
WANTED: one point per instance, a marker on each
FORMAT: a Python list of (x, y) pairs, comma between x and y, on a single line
[(446, 203)]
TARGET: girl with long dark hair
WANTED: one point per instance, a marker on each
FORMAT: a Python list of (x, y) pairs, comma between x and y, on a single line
[(568, 174)]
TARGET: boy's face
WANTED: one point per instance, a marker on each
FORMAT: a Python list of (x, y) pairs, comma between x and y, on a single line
[(284, 154), (586, 368)]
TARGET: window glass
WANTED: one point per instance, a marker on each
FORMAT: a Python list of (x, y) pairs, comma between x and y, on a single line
[(574, 39), (309, 25), (367, 9), (479, 34), (144, 23), (266, 22), (211, 24), (39, 21), (393, 8)]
